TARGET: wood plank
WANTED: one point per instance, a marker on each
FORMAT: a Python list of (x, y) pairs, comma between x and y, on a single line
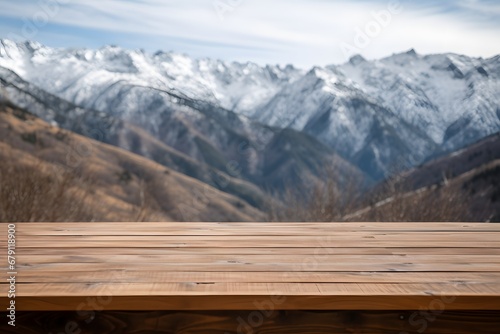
[(337, 236), (274, 243), (318, 266), (262, 322), (163, 276), (249, 289), (262, 229), (89, 251), (341, 236), (271, 267), (247, 302), (305, 260), (366, 226)]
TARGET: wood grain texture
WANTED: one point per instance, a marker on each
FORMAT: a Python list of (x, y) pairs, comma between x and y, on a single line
[(317, 251), (165, 276), (262, 322), (217, 302), (136, 229), (188, 226), (261, 259), (273, 242), (238, 266), (392, 265)]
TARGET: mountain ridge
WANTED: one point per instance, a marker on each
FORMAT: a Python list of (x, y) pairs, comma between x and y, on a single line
[(211, 144), (116, 185), (379, 115)]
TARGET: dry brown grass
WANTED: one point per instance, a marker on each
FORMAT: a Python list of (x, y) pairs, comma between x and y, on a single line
[(28, 193), (332, 202), (44, 164), (34, 191), (327, 202), (439, 203)]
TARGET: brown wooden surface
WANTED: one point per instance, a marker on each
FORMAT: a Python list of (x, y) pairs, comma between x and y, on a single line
[(238, 266), (247, 322)]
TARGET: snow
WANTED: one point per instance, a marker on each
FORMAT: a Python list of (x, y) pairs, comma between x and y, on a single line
[(417, 97), (420, 90)]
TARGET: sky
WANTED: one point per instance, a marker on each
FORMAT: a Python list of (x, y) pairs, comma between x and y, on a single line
[(299, 32)]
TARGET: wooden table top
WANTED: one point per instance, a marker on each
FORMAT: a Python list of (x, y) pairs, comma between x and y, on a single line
[(246, 266)]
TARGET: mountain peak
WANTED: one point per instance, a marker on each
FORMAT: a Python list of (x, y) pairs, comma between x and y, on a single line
[(372, 111), (357, 59), (403, 58), (26, 45), (411, 52)]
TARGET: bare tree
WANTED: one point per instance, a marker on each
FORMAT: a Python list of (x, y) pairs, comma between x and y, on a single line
[(29, 192), (394, 201)]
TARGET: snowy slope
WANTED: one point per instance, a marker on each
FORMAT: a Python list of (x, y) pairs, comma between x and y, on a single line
[(450, 97), (350, 121), (381, 115), (212, 144), (428, 104), (82, 76)]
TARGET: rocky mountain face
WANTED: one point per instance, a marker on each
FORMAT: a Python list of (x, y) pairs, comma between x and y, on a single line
[(269, 126), (197, 137), (52, 174), (473, 171), (394, 111)]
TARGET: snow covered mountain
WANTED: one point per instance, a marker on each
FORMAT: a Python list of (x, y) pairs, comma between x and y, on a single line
[(196, 137), (83, 76), (452, 98), (380, 115), (396, 110)]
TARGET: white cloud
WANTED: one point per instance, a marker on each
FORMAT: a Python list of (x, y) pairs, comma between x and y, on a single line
[(303, 32)]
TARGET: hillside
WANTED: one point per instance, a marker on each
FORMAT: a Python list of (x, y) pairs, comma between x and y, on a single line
[(465, 183), (109, 183), (449, 166), (474, 171), (378, 115), (193, 137), (250, 130)]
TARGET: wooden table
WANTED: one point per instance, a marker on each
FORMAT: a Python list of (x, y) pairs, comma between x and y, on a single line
[(255, 278)]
